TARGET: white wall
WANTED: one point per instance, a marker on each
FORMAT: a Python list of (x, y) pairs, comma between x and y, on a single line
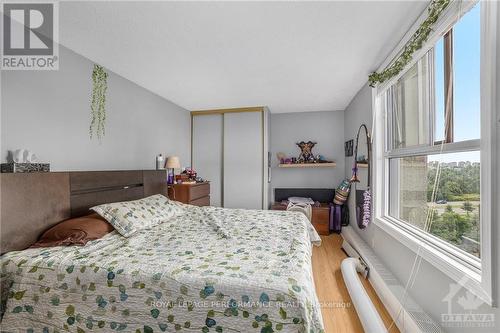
[(431, 285), (326, 128), (48, 112)]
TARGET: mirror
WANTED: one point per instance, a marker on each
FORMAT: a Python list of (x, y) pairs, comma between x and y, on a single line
[(361, 177)]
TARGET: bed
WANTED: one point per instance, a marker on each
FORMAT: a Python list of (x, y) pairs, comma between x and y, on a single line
[(206, 270)]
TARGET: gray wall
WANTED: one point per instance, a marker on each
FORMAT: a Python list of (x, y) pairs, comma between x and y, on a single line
[(48, 112), (431, 285), (326, 128)]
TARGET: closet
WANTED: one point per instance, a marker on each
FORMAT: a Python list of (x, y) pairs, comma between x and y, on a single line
[(229, 148)]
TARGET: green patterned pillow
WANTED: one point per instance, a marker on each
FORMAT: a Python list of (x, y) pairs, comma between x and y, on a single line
[(129, 217)]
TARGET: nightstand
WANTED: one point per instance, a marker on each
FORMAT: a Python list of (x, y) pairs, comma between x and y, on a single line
[(193, 194)]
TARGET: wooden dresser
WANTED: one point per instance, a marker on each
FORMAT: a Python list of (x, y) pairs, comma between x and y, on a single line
[(320, 217), (194, 194)]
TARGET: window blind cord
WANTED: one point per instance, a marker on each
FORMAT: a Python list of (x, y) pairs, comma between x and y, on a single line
[(430, 212)]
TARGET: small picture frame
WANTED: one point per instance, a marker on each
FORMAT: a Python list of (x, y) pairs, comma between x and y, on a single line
[(348, 148)]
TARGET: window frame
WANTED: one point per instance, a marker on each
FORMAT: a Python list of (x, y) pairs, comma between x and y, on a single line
[(452, 261), (449, 88)]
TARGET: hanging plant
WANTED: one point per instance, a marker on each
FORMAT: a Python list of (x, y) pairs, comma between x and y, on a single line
[(98, 104), (414, 44)]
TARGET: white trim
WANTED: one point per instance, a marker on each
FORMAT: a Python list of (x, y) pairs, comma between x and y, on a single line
[(432, 95), (469, 263), (489, 111), (454, 269), (379, 178), (461, 146), (481, 282)]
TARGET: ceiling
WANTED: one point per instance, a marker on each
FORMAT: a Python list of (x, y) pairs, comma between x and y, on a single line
[(290, 56)]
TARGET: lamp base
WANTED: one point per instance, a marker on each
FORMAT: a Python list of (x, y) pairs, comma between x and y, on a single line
[(170, 176)]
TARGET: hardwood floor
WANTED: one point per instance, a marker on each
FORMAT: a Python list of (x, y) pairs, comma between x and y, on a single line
[(338, 312)]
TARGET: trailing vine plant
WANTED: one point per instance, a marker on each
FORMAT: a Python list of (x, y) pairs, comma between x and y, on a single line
[(98, 104), (415, 43)]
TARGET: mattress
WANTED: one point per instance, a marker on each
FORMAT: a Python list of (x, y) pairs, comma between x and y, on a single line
[(207, 270)]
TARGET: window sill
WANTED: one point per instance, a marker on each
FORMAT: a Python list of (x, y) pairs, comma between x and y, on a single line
[(456, 269)]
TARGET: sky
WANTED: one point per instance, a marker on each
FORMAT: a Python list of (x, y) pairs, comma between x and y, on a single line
[(466, 35)]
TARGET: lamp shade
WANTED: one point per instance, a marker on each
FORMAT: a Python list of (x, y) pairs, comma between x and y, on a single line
[(173, 163)]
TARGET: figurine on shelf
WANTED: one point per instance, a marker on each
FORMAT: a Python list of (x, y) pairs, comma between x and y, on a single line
[(281, 157), (362, 159), (306, 155), (322, 159), (191, 173)]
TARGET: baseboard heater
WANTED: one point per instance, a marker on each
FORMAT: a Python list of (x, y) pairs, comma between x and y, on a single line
[(408, 317)]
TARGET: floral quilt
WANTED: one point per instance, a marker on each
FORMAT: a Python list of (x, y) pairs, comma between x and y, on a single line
[(208, 270)]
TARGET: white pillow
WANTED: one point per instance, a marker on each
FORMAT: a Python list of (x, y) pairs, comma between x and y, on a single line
[(129, 217), (301, 200)]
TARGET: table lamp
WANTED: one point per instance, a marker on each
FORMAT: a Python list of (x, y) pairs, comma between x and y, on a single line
[(172, 163)]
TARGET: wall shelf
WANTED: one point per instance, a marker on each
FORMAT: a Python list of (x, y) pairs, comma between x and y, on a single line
[(308, 165)]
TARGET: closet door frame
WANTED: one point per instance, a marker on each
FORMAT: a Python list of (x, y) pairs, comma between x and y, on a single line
[(264, 150)]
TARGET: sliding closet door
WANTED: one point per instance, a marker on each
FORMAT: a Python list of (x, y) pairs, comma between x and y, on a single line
[(207, 152), (243, 160)]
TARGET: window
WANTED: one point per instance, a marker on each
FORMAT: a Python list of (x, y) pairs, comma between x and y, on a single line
[(449, 210), (433, 143), (435, 140), (457, 81), (409, 120)]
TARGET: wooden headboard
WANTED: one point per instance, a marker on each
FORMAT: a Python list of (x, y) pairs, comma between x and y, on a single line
[(33, 202)]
